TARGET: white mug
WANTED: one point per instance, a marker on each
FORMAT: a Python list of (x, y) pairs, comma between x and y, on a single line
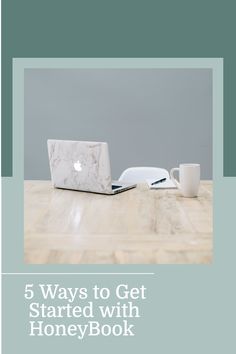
[(189, 179)]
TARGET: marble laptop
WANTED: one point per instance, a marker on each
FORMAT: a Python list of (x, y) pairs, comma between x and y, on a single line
[(82, 166)]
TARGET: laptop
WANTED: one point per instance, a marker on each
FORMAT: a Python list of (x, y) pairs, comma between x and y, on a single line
[(83, 166)]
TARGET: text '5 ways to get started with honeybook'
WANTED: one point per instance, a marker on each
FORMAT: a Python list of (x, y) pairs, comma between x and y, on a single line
[(122, 310)]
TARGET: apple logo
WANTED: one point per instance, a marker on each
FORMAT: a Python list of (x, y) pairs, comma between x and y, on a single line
[(77, 166)]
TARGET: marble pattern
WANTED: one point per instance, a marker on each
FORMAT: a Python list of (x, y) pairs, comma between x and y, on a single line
[(93, 158), (137, 226)]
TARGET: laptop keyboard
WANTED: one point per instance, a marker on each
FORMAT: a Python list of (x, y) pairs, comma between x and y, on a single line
[(114, 186)]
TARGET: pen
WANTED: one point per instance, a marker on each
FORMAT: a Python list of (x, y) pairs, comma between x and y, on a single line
[(159, 181)]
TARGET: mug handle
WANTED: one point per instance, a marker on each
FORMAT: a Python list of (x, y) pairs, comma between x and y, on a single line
[(174, 180)]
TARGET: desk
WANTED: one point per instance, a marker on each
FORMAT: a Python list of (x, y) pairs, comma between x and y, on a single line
[(136, 226)]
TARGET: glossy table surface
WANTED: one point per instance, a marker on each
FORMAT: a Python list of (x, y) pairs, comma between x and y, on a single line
[(133, 227)]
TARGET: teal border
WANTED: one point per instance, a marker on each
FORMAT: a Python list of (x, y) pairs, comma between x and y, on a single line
[(13, 228)]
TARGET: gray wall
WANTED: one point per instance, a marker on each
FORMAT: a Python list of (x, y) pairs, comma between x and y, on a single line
[(149, 117)]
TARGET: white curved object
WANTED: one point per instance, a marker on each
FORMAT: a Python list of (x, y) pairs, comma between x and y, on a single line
[(140, 174)]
